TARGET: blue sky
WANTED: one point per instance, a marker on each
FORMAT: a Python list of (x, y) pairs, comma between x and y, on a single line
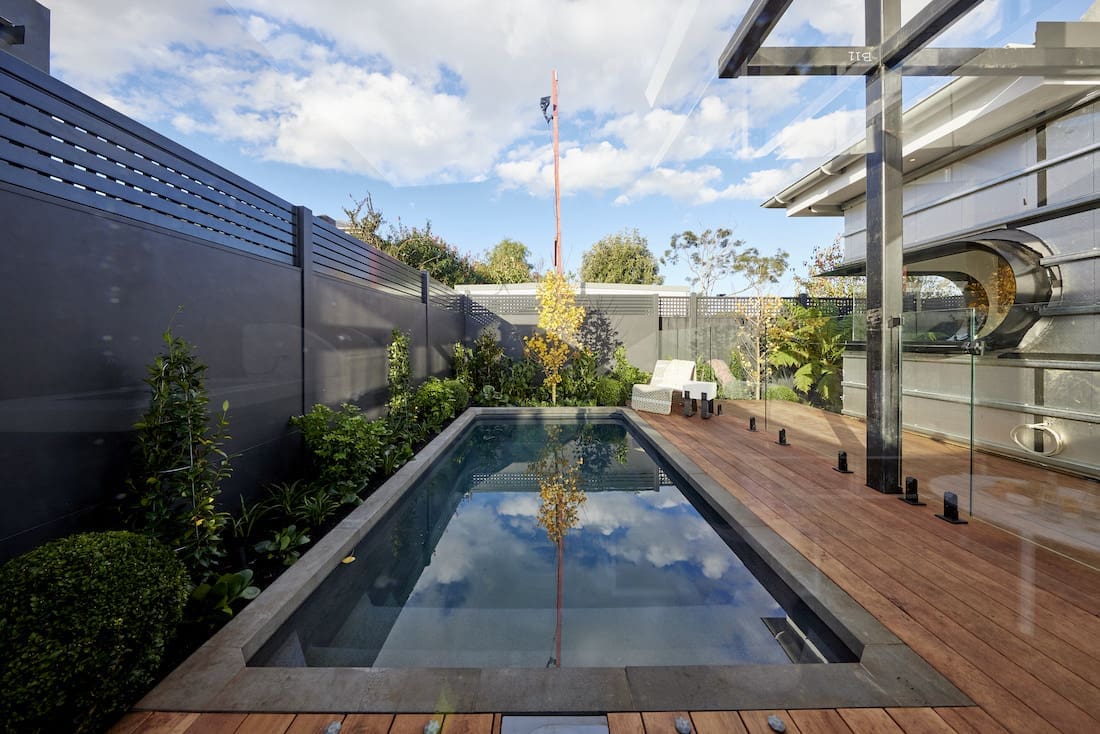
[(433, 107)]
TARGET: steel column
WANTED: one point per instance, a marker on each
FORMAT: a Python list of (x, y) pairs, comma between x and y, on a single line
[(884, 257)]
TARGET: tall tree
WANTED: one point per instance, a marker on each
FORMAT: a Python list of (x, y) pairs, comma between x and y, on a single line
[(507, 262), (425, 250), (823, 259), (560, 318), (761, 272), (621, 258), (710, 255), (364, 221)]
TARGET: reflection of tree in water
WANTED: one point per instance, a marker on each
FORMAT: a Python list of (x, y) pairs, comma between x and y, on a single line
[(597, 444), (559, 478)]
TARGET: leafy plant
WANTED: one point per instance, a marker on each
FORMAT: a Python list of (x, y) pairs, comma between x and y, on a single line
[(621, 258), (813, 345), (245, 523), (579, 378), (228, 588), (284, 545), (181, 461), (84, 624), (463, 359), (610, 391), (488, 363), (395, 454), (434, 404), (286, 497), (343, 445), (559, 319), (316, 507), (506, 262), (398, 411), (626, 373), (781, 392)]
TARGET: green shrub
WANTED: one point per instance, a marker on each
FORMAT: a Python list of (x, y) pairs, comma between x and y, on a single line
[(180, 462), (84, 622), (488, 363), (579, 378), (782, 392), (625, 372), (344, 446), (398, 413), (460, 394), (434, 404), (610, 391)]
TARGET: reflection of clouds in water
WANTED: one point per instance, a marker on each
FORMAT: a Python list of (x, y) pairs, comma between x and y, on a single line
[(471, 542), (522, 505), (660, 527)]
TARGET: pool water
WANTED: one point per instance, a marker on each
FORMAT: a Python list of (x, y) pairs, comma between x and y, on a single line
[(467, 569)]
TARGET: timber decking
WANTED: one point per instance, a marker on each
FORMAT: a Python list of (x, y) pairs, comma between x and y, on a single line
[(1010, 616)]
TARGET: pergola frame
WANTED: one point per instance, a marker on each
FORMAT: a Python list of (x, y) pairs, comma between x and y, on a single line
[(892, 50)]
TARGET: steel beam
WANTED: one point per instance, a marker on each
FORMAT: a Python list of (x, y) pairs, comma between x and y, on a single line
[(884, 245), (861, 60), (920, 31), (750, 35)]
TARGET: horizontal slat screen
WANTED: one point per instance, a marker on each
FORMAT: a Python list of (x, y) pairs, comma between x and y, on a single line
[(443, 297), (340, 255), (58, 141)]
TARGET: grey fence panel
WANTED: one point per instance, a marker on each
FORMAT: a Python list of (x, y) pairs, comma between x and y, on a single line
[(88, 296), (58, 141), (109, 228)]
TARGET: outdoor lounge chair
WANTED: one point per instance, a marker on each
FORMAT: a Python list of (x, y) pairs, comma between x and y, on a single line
[(669, 376)]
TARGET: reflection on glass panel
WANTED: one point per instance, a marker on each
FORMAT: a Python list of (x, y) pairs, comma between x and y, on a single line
[(1037, 425)]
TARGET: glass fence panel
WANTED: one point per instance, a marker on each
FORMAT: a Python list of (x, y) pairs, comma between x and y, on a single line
[(1037, 428)]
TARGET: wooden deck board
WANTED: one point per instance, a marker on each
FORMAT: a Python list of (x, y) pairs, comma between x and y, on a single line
[(919, 721), (367, 724), (266, 724), (468, 724), (625, 723), (717, 722), (216, 724), (756, 722), (313, 723), (1006, 625)]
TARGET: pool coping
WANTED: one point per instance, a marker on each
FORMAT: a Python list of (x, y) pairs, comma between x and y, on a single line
[(216, 678)]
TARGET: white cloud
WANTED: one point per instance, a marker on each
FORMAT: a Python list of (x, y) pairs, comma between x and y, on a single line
[(433, 92), (820, 136)]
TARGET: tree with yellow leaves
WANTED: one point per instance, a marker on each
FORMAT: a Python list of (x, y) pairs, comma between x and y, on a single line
[(559, 478), (560, 319)]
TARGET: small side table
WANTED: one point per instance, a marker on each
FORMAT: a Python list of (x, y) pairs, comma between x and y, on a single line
[(704, 393)]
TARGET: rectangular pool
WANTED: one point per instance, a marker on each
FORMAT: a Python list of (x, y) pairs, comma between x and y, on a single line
[(665, 593), (467, 571)]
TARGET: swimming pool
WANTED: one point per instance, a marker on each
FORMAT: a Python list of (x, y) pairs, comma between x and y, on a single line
[(452, 601), (467, 570)]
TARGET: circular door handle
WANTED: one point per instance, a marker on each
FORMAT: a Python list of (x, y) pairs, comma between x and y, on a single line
[(1055, 438)]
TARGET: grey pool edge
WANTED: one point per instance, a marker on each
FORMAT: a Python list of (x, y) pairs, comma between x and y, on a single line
[(216, 677)]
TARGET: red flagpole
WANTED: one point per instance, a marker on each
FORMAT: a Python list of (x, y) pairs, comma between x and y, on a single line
[(557, 179)]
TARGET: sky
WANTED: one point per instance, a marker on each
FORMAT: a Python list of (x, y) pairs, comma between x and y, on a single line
[(432, 108)]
